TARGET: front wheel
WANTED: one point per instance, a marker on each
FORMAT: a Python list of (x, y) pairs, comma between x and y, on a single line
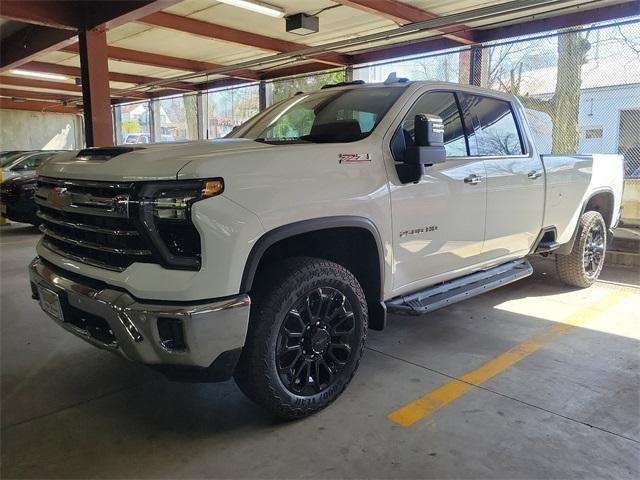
[(582, 267), (306, 337)]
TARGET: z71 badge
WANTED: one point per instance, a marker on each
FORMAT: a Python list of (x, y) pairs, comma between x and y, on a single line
[(354, 157)]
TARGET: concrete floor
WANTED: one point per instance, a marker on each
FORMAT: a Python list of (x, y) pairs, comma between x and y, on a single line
[(570, 409)]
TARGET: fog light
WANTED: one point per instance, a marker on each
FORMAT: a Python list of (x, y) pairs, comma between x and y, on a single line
[(171, 333)]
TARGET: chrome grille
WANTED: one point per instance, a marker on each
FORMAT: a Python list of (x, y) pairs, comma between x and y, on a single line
[(89, 222)]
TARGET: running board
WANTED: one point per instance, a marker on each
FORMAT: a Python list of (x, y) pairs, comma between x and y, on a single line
[(546, 247), (453, 291)]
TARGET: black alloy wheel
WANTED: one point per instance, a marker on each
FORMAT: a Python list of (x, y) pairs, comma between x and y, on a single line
[(306, 336), (316, 341), (594, 250)]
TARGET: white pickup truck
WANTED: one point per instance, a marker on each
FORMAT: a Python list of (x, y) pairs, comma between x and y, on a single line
[(268, 254)]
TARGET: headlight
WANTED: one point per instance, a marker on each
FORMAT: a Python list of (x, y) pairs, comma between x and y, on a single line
[(164, 213), (173, 201)]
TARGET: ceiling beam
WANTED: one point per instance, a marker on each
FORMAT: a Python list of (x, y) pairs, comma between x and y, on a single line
[(54, 23), (34, 83), (395, 51), (36, 106), (40, 12), (165, 61), (11, 82), (404, 14), (28, 43), (523, 27), (113, 76), (137, 10), (582, 16), (232, 35), (13, 93), (80, 14), (291, 70)]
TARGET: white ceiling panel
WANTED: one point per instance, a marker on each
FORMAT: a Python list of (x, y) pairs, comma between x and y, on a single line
[(336, 23)]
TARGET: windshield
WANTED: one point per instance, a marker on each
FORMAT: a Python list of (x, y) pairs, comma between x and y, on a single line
[(328, 116), (7, 157), (33, 161)]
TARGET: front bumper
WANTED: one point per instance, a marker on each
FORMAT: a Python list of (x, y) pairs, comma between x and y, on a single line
[(199, 337), (21, 212)]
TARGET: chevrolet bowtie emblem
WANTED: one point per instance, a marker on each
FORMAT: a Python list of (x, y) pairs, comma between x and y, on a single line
[(59, 197)]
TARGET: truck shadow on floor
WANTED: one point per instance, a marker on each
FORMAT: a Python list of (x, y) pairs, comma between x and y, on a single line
[(18, 229)]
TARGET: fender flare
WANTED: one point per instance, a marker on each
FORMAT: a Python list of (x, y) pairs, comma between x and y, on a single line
[(566, 248), (305, 226)]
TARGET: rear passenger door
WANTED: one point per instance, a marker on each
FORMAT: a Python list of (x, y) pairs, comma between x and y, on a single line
[(515, 177)]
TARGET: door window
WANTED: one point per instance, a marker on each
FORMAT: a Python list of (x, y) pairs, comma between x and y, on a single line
[(493, 131), (442, 104)]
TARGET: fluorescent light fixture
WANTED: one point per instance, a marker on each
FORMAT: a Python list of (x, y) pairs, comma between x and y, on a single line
[(257, 7), (29, 73)]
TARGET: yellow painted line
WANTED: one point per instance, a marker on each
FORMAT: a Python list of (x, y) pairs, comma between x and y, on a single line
[(447, 393)]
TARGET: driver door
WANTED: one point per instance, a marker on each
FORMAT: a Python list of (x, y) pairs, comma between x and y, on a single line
[(438, 222)]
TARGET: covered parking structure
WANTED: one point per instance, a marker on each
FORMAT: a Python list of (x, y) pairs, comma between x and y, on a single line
[(88, 56), (534, 380)]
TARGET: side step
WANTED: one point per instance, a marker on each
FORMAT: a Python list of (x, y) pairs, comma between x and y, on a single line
[(453, 291), (545, 247)]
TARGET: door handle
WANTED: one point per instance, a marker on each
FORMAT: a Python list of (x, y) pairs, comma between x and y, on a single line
[(533, 174), (473, 179)]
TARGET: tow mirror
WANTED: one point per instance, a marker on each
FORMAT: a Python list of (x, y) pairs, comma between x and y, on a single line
[(428, 149)]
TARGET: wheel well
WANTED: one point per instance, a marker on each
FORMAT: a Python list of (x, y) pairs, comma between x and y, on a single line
[(603, 204), (354, 248)]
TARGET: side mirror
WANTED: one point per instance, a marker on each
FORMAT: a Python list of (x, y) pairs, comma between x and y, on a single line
[(428, 149)]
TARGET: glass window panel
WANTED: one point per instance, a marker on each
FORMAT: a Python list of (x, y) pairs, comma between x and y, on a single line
[(442, 104), (230, 108), (178, 117), (279, 90), (134, 123), (495, 132)]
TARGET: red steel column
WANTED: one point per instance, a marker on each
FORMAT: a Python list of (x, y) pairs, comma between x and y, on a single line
[(94, 67)]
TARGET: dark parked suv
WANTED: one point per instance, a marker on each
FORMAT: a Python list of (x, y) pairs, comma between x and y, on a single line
[(16, 193)]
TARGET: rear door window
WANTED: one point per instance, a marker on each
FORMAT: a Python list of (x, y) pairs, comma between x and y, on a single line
[(491, 125)]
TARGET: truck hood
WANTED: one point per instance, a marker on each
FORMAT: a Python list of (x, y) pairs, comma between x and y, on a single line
[(159, 161)]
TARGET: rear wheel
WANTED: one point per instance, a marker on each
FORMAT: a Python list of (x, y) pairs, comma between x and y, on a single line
[(582, 267), (306, 337)]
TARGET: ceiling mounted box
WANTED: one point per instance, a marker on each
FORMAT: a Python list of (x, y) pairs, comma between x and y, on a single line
[(302, 24)]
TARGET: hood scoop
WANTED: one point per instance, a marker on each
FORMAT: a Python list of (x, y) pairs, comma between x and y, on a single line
[(102, 154)]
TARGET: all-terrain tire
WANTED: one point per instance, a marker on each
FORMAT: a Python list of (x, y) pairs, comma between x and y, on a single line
[(575, 268), (260, 373)]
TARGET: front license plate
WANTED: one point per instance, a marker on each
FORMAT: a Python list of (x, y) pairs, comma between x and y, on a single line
[(50, 303)]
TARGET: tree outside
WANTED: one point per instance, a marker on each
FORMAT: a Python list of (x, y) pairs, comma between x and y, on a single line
[(283, 89), (512, 68), (229, 108)]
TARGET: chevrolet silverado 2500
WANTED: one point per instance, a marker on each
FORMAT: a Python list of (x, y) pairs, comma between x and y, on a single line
[(268, 254)]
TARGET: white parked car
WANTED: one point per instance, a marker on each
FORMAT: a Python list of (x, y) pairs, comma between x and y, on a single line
[(268, 254), (135, 138), (20, 163)]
